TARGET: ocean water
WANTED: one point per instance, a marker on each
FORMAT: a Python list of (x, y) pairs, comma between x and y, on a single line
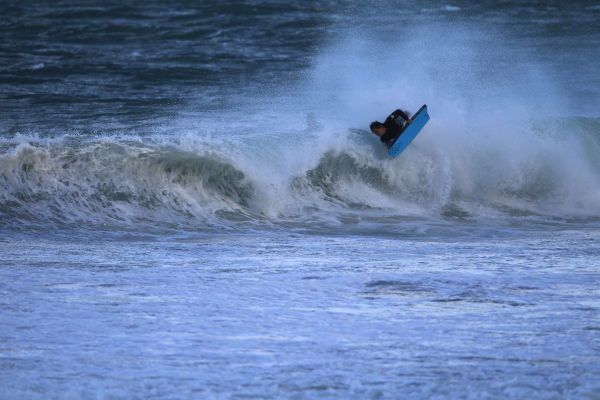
[(191, 205)]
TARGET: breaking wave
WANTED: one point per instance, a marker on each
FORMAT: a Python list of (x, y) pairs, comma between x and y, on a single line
[(76, 181), (500, 145)]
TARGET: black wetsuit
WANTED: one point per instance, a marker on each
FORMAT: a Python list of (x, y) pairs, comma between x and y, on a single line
[(393, 129)]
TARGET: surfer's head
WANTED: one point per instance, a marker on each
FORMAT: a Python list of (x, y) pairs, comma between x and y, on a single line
[(377, 128)]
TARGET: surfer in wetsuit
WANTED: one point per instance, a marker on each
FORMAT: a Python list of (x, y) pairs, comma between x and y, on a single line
[(391, 128)]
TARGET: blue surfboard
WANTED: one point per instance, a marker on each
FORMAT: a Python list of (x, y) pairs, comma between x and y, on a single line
[(417, 123)]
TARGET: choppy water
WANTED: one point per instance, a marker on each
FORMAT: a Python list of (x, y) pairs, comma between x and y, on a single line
[(190, 205)]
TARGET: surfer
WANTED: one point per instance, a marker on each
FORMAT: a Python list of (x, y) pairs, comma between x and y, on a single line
[(391, 128)]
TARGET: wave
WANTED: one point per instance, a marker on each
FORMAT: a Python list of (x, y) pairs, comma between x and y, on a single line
[(111, 181), (502, 144), (97, 182)]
